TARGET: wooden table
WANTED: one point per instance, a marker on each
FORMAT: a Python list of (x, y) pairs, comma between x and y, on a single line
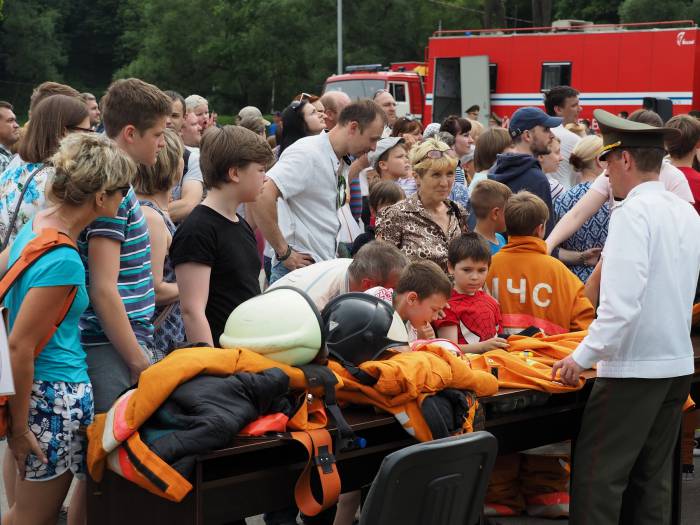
[(258, 475)]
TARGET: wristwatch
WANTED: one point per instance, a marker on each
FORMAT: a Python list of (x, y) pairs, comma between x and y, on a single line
[(282, 258)]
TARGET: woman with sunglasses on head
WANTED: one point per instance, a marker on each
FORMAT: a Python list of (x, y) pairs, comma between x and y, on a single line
[(52, 119), (423, 225), (53, 396), (300, 119)]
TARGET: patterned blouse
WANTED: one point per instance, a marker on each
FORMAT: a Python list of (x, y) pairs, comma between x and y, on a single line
[(593, 232), (409, 226), (11, 184), (169, 326)]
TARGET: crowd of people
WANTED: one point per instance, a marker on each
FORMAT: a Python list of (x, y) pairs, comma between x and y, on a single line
[(470, 232)]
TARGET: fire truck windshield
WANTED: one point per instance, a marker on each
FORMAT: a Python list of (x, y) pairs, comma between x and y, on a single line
[(356, 89)]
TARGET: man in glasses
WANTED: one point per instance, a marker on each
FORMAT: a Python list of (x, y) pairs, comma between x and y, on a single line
[(303, 226), (530, 130)]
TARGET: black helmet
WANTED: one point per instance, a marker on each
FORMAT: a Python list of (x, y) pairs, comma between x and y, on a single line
[(359, 327)]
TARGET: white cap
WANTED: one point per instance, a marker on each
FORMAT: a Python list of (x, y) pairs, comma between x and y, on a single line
[(382, 147)]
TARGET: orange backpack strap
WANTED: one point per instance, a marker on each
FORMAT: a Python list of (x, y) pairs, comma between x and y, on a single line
[(319, 375), (319, 445), (48, 240)]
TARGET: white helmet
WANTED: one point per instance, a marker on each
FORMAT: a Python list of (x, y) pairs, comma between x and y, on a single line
[(282, 324)]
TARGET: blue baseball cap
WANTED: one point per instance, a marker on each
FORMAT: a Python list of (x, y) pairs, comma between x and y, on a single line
[(525, 119)]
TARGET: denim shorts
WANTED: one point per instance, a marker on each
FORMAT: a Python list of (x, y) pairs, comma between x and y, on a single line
[(56, 412)]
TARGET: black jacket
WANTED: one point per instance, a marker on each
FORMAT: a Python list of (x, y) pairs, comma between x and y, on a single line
[(207, 412), (520, 171)]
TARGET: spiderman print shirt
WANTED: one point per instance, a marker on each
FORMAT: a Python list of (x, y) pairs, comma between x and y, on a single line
[(477, 317)]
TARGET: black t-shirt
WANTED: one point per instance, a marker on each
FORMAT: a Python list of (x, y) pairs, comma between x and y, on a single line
[(229, 248)]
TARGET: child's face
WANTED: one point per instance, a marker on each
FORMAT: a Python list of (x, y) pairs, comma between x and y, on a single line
[(145, 146), (397, 164), (250, 181), (470, 275), (421, 312)]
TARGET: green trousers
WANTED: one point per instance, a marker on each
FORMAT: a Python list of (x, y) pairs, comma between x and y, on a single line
[(624, 453)]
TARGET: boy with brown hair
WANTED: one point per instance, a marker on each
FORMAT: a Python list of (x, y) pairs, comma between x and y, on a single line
[(533, 288), (421, 293), (214, 251), (682, 147), (488, 200), (382, 193), (117, 327), (473, 319)]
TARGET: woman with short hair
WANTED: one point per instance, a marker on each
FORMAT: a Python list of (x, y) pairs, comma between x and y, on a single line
[(53, 395), (423, 225)]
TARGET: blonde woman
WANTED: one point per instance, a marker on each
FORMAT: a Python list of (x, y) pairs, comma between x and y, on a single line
[(423, 225), (581, 251), (53, 392), (153, 185)]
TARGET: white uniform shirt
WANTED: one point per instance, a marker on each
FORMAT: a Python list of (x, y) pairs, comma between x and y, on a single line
[(565, 173), (306, 176), (322, 281), (650, 271)]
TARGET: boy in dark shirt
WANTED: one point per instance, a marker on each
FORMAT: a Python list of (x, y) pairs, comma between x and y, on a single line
[(214, 250)]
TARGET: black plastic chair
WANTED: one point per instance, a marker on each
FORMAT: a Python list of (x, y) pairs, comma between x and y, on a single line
[(441, 482)]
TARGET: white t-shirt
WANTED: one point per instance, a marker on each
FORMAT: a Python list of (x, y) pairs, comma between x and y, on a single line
[(193, 172), (671, 177), (322, 281), (306, 175), (565, 173)]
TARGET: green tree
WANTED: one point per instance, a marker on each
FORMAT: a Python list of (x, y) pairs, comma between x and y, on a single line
[(598, 11), (652, 10)]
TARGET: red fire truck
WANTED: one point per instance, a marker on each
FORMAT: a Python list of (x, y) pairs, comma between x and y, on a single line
[(404, 80), (613, 66)]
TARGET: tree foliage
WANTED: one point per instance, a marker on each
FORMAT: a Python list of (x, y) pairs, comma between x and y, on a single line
[(238, 52)]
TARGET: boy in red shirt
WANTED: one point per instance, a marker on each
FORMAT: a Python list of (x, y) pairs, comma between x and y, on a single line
[(681, 148), (473, 318)]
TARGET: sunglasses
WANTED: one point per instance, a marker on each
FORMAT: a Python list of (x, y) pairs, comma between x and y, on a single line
[(379, 92), (124, 190), (297, 104), (78, 128), (438, 154), (302, 96), (342, 191)]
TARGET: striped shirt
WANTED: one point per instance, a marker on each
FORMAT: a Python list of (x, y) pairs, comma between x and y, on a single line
[(135, 280)]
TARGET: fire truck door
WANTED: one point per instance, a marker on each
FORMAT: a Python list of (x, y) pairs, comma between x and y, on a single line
[(401, 95), (474, 77)]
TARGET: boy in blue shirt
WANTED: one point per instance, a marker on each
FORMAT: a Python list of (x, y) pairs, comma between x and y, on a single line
[(488, 200)]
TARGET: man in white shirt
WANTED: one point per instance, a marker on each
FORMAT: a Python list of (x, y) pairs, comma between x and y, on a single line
[(377, 263), (640, 342), (562, 101), (307, 181)]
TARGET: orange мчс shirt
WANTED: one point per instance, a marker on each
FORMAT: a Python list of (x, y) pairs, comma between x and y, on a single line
[(535, 289)]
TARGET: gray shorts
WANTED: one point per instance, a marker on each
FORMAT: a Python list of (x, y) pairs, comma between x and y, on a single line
[(109, 375)]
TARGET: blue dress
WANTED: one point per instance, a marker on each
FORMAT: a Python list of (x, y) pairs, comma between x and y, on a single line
[(593, 232)]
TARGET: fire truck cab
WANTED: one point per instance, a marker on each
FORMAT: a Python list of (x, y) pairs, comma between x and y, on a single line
[(404, 80)]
